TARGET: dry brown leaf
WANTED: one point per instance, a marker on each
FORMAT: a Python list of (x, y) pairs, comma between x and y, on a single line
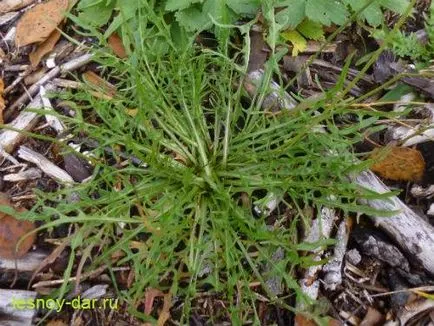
[(11, 231), (38, 23), (45, 47), (115, 43), (165, 312), (373, 317), (301, 320), (100, 84), (399, 164), (56, 322), (150, 296), (2, 101)]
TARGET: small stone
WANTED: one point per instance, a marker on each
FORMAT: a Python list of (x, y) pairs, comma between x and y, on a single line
[(354, 257)]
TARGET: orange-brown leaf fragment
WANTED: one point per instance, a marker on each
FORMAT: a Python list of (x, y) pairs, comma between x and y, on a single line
[(115, 43), (11, 231), (45, 47), (99, 83), (38, 23), (2, 101), (399, 164)]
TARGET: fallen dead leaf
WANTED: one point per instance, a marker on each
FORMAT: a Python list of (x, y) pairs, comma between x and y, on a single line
[(373, 317), (399, 164), (165, 312), (150, 296), (38, 23), (104, 88), (2, 101), (115, 43), (56, 322), (301, 320), (44, 48), (11, 231)]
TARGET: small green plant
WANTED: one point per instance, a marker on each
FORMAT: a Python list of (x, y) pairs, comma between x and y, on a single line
[(187, 17), (183, 220), (409, 45)]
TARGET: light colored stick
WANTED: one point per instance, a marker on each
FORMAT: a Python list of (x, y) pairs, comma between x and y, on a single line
[(45, 165), (321, 228), (29, 174), (52, 120), (413, 234), (333, 268), (29, 263), (66, 67), (9, 139), (6, 18)]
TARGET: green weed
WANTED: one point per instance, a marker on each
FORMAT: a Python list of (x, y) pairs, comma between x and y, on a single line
[(183, 220)]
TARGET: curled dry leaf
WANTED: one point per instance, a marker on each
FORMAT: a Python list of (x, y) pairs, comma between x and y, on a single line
[(400, 164), (11, 231), (44, 48), (38, 23), (115, 43), (2, 101)]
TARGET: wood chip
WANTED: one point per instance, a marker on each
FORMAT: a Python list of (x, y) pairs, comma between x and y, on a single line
[(29, 174), (45, 165), (38, 23), (44, 48)]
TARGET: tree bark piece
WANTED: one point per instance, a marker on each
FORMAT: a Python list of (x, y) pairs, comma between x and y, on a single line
[(412, 233)]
